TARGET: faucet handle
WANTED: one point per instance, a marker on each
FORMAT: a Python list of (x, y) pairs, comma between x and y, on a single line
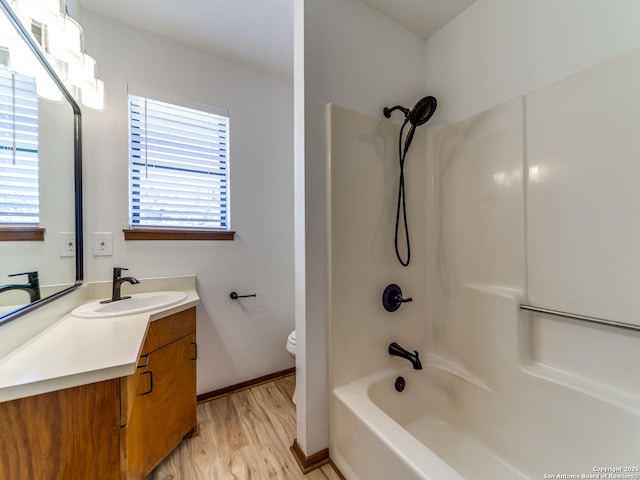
[(117, 272), (32, 276), (392, 298), (23, 273)]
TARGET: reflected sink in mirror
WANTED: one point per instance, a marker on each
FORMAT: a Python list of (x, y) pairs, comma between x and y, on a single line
[(138, 303)]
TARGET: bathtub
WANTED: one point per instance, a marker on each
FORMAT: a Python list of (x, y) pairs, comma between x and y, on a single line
[(413, 435)]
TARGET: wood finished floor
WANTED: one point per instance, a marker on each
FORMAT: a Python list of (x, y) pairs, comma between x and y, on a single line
[(243, 436)]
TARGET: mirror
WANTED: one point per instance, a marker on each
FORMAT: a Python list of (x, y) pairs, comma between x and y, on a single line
[(40, 175)]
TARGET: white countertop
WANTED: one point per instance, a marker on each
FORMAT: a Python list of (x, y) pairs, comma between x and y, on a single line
[(76, 351)]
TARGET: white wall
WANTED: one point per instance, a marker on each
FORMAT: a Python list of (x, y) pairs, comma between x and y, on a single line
[(357, 58), (499, 49), (238, 340)]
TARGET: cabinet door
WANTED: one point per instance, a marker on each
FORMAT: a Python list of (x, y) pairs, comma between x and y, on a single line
[(69, 434), (164, 410)]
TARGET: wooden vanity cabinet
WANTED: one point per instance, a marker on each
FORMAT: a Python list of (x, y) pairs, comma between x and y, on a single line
[(163, 410), (69, 434), (111, 430)]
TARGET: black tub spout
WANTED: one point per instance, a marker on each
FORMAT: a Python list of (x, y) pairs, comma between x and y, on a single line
[(397, 351)]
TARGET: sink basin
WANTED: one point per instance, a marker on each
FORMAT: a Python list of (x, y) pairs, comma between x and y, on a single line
[(138, 303)]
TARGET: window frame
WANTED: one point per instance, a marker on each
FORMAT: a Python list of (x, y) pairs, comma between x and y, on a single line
[(161, 232)]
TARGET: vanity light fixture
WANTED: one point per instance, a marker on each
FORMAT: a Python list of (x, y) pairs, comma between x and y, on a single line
[(94, 98), (21, 60), (83, 74), (62, 41), (45, 12)]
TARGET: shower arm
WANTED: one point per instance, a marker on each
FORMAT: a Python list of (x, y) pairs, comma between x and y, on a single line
[(388, 110)]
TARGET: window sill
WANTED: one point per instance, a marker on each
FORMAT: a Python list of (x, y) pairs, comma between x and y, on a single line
[(176, 234), (21, 234)]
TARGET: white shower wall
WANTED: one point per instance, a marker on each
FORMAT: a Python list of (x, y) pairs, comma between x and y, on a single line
[(363, 183), (532, 201), (535, 201)]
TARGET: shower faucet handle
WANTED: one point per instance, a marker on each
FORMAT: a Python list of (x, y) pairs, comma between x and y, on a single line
[(399, 299), (392, 298)]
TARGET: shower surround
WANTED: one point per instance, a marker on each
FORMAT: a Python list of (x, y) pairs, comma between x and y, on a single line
[(534, 201)]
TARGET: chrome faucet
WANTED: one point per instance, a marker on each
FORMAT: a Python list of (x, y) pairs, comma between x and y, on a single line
[(118, 280), (32, 287), (398, 351)]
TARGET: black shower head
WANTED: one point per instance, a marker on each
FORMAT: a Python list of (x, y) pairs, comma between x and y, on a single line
[(419, 115), (423, 111)]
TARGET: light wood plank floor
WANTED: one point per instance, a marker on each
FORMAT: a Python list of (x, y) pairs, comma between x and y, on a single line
[(243, 436)]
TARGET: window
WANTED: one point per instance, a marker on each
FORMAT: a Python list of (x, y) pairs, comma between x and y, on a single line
[(19, 192), (178, 157)]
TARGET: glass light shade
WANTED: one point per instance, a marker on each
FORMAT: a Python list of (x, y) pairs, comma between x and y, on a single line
[(43, 11), (59, 67), (83, 75), (65, 41), (94, 98), (47, 88)]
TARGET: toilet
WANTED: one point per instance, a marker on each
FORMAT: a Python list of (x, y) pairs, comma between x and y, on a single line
[(291, 348)]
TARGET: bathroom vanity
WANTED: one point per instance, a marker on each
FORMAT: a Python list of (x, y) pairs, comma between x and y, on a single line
[(158, 402), (119, 427)]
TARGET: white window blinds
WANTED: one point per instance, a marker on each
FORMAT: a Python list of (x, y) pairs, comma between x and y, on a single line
[(19, 197), (178, 166)]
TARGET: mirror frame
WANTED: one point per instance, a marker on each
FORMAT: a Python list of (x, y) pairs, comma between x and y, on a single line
[(77, 162)]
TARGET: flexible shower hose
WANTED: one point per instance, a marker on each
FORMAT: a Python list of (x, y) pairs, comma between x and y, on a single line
[(402, 154)]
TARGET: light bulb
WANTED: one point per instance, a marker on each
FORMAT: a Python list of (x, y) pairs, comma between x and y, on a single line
[(65, 41)]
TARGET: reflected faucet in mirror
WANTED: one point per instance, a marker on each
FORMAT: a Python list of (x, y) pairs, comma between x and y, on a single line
[(32, 287), (118, 280)]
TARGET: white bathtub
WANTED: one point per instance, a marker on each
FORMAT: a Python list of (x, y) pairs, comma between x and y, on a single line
[(414, 435), (449, 425)]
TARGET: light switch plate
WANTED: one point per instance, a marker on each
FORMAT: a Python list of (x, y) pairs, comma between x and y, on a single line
[(102, 244)]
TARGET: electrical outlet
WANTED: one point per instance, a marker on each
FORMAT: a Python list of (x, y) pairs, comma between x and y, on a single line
[(67, 244), (102, 244)]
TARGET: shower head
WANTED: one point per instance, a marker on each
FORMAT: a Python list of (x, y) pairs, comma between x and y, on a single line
[(423, 110), (420, 114)]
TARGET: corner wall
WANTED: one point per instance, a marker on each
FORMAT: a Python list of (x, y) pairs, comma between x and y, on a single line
[(360, 59)]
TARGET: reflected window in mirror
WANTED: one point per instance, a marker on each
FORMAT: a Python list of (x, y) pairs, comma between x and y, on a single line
[(19, 196)]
